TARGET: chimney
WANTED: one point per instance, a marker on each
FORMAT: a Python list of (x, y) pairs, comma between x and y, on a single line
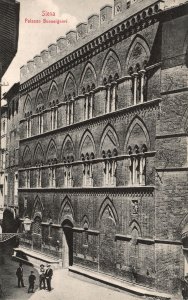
[(71, 37), (52, 49), (105, 14), (44, 55), (93, 23), (81, 30), (61, 43)]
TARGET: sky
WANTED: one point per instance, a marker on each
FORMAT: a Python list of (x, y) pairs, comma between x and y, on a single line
[(33, 38)]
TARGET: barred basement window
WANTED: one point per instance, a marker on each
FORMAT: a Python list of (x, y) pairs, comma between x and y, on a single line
[(37, 226)]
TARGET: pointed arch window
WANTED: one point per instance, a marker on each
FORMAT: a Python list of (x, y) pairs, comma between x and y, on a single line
[(27, 178), (70, 108), (109, 168), (111, 93), (88, 101), (40, 111), (87, 169), (139, 84), (68, 171), (137, 165), (54, 114), (28, 124), (38, 175), (52, 173)]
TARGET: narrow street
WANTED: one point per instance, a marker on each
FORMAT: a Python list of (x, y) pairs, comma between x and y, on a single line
[(64, 286)]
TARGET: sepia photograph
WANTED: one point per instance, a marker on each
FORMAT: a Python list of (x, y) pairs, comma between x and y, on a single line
[(94, 150)]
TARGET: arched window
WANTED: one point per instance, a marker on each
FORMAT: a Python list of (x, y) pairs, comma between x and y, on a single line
[(137, 165), (69, 94), (28, 114), (53, 102), (108, 148), (87, 150), (111, 93), (137, 58)]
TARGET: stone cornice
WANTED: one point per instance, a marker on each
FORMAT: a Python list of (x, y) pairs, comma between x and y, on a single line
[(93, 121), (92, 161), (128, 190), (129, 26)]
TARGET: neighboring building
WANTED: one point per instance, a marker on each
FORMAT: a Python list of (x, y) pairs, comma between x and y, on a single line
[(11, 160), (103, 146), (9, 22), (3, 185)]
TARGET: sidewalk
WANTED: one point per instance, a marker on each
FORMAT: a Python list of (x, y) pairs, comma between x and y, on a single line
[(64, 287)]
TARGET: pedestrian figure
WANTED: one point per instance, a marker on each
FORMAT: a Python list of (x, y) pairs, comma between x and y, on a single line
[(32, 279), (42, 283), (48, 276), (185, 288), (19, 274)]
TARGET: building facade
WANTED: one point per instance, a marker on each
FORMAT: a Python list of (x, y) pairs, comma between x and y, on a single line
[(9, 22), (103, 145), (10, 160)]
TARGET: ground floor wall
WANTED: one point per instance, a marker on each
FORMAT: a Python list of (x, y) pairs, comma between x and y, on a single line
[(108, 231)]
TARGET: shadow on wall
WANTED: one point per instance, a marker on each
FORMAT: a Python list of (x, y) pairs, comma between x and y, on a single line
[(10, 222)]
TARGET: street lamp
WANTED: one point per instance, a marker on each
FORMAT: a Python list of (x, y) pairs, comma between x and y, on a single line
[(27, 224)]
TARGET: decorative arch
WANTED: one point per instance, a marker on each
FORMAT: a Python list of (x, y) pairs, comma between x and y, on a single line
[(109, 140), (39, 98), (69, 86), (26, 158), (143, 135), (27, 105), (87, 143), (111, 59), (37, 208), (85, 222), (68, 151), (108, 210), (51, 154), (88, 73), (134, 225), (138, 53), (66, 211), (53, 93), (38, 154)]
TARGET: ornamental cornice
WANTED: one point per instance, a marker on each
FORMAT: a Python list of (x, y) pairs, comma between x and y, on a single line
[(129, 191), (129, 26), (103, 119)]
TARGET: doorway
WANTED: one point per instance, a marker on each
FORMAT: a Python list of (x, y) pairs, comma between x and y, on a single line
[(67, 244)]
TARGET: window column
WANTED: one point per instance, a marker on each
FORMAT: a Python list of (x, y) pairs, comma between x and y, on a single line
[(142, 83)]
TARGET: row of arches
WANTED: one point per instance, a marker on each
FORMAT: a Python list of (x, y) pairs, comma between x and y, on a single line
[(110, 71), (66, 212), (137, 137)]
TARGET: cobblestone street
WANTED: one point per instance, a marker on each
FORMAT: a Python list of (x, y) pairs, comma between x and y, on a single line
[(64, 286)]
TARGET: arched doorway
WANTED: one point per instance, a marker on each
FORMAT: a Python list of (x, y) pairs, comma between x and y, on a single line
[(67, 244)]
